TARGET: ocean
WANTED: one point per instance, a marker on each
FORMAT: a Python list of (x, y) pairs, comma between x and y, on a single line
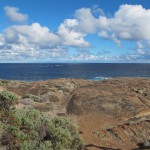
[(90, 71)]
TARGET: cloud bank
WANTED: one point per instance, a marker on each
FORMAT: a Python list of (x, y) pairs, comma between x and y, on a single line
[(33, 42)]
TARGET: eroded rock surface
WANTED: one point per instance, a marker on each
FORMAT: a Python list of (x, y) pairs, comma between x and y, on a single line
[(113, 113)]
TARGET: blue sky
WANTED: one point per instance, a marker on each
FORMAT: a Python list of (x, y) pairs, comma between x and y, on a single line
[(75, 31)]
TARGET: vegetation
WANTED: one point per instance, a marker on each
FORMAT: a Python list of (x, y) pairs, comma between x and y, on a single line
[(43, 107), (30, 130), (33, 97), (3, 82), (7, 99), (33, 130), (7, 102)]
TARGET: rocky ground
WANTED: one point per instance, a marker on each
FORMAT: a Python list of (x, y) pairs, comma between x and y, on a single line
[(111, 114)]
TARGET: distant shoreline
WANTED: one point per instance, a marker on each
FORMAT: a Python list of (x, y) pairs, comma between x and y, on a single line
[(90, 71), (57, 79)]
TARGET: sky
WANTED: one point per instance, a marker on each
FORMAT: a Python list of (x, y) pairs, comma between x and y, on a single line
[(76, 31)]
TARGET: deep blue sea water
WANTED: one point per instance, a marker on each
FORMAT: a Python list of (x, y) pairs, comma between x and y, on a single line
[(92, 71)]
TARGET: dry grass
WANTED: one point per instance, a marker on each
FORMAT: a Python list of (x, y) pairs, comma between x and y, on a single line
[(44, 107)]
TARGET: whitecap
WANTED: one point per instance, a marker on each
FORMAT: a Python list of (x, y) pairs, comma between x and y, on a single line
[(99, 78)]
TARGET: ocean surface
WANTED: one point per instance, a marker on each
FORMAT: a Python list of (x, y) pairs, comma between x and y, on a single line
[(91, 71)]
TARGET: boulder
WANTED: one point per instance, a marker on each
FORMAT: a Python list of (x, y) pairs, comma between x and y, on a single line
[(27, 101)]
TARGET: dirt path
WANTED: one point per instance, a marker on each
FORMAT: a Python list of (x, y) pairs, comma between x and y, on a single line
[(2, 88)]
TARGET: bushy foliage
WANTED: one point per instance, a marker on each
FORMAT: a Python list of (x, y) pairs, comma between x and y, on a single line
[(22, 132), (63, 134), (32, 130), (7, 99), (3, 82), (33, 97), (7, 102), (1, 129)]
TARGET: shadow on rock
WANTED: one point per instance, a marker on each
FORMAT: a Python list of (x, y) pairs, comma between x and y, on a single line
[(143, 146), (98, 147)]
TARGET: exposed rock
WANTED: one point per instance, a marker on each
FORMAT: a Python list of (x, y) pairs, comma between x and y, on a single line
[(51, 97), (143, 113), (28, 107), (27, 101), (117, 111), (112, 97), (128, 135), (33, 97)]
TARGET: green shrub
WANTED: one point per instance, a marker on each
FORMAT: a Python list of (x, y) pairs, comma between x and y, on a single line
[(3, 82), (63, 134), (33, 97), (7, 99), (1, 129), (32, 130)]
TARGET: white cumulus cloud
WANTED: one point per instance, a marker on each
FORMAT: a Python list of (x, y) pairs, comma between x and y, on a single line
[(33, 34), (130, 22), (70, 35), (87, 22), (27, 41), (14, 15)]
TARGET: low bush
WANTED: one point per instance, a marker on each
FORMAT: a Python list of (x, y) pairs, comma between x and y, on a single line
[(32, 130), (7, 99), (7, 102), (33, 97), (3, 82), (25, 129), (63, 134)]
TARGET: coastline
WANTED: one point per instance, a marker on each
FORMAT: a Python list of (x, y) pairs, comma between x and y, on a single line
[(88, 71), (111, 108)]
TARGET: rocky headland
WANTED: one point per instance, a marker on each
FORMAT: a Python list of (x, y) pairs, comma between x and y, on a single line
[(110, 114)]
